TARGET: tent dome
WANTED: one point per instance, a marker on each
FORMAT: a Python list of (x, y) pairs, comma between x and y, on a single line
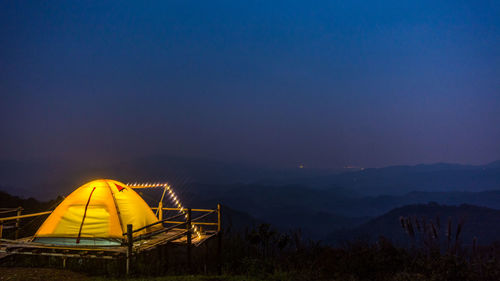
[(96, 213)]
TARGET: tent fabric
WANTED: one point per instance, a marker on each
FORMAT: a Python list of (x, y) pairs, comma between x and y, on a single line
[(111, 207)]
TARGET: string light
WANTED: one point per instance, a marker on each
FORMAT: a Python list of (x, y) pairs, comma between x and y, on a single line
[(172, 196)]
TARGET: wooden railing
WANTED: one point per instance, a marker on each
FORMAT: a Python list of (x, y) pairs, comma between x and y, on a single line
[(169, 220), (189, 223), (17, 218), (187, 213)]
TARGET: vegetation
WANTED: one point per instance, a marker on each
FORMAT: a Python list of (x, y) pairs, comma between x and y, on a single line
[(435, 250), (265, 253), (30, 205), (189, 278)]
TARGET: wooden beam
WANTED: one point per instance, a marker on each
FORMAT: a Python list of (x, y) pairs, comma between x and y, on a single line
[(38, 252), (25, 216), (195, 223), (19, 244), (176, 222), (178, 209), (205, 223)]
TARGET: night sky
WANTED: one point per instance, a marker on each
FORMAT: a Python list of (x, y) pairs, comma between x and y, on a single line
[(276, 83)]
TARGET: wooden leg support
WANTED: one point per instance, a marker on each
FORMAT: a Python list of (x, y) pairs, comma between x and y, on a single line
[(130, 242), (219, 253)]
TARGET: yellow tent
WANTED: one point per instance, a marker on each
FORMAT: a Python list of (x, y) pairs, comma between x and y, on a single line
[(97, 213)]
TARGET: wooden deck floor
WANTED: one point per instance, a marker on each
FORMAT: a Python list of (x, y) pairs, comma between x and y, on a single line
[(25, 247)]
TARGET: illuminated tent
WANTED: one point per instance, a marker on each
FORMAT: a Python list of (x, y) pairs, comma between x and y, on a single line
[(96, 213)]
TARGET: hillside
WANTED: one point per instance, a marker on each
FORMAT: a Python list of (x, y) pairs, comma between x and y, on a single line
[(29, 204), (259, 199), (478, 222)]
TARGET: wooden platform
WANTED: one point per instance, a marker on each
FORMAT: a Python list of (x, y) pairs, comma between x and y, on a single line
[(24, 247), (176, 236), (174, 231)]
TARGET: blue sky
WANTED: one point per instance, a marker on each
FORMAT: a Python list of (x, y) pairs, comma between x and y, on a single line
[(327, 83)]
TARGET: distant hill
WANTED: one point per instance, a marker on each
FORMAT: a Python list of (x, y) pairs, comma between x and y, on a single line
[(479, 222), (398, 180), (49, 179), (29, 204), (261, 200)]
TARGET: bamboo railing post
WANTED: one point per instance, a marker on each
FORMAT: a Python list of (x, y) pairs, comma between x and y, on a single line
[(160, 211), (130, 242), (219, 240), (18, 220), (218, 218), (188, 238)]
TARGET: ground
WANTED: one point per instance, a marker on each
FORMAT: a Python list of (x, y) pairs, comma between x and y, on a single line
[(42, 274), (45, 274)]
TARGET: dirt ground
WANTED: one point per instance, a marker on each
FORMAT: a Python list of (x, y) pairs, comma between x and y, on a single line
[(49, 274), (36, 274)]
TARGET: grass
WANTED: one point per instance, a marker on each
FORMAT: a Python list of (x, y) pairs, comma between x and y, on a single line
[(192, 278)]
